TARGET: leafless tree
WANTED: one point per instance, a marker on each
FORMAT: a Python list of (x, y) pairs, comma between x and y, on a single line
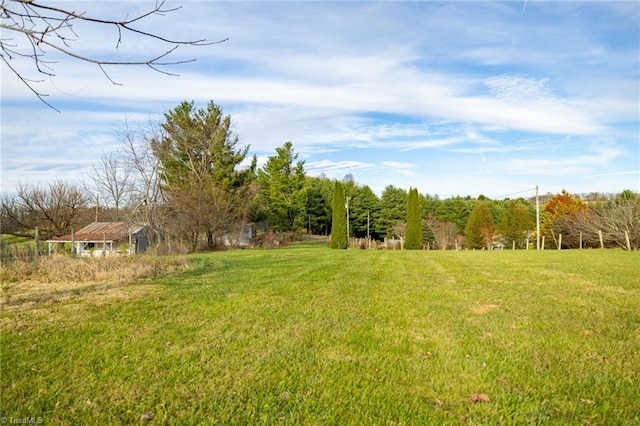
[(56, 208), (616, 220), (146, 194), (400, 229), (33, 28), (13, 216), (201, 210), (112, 177), (444, 232)]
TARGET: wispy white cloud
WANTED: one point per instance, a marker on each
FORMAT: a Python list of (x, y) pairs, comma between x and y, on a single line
[(518, 88), (458, 87), (336, 170), (407, 169), (625, 173), (597, 157)]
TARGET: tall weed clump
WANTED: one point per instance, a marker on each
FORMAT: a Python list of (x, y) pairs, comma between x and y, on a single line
[(62, 268)]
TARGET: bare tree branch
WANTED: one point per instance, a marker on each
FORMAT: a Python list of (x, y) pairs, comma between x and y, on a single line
[(55, 208), (28, 83), (44, 28)]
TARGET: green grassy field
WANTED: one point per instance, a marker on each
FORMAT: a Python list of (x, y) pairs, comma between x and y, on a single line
[(307, 335), (15, 239)]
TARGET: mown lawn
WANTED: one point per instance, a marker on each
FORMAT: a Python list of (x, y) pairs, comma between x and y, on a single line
[(308, 335)]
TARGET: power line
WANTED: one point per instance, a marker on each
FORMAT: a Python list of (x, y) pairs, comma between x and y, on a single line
[(516, 193)]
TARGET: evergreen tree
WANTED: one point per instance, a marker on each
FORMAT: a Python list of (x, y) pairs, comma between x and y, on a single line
[(516, 224), (480, 227), (339, 222), (318, 214), (392, 210), (362, 209), (282, 181), (414, 224), (429, 204), (318, 204), (455, 210), (207, 191), (428, 236)]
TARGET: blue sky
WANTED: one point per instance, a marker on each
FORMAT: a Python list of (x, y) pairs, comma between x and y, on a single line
[(453, 98)]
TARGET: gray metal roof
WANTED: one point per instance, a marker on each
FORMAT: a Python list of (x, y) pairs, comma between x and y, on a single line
[(102, 231)]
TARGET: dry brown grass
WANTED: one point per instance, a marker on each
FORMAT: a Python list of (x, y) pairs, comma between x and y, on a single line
[(57, 278), (478, 309), (60, 268)]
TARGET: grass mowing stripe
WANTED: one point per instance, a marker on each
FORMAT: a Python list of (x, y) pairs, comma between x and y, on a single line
[(317, 336)]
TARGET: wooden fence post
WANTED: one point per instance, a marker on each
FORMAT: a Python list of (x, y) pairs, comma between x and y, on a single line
[(37, 238), (559, 241), (601, 239)]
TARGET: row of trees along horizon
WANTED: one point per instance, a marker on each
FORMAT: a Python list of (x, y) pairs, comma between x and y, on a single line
[(188, 179)]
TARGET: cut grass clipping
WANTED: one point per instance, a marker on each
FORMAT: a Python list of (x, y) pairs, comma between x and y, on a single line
[(308, 335)]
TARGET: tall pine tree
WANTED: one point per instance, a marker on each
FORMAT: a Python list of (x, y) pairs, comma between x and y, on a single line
[(339, 222), (480, 227), (207, 190), (392, 209), (516, 224), (282, 192), (414, 224)]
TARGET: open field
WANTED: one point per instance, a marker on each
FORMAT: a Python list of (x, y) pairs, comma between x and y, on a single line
[(307, 335)]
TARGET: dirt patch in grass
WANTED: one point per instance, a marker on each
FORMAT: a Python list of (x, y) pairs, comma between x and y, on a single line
[(29, 295), (484, 309), (31, 305)]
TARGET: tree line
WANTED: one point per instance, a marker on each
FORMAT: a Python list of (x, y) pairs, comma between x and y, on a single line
[(189, 179)]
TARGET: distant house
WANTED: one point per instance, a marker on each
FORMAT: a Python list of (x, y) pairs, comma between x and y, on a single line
[(101, 239)]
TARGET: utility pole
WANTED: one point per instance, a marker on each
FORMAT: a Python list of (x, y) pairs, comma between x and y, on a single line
[(347, 207), (537, 220), (368, 234), (368, 221)]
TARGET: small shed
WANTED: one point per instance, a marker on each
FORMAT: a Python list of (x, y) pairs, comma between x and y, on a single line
[(100, 239)]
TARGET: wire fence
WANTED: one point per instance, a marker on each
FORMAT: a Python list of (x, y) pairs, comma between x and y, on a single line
[(26, 252)]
